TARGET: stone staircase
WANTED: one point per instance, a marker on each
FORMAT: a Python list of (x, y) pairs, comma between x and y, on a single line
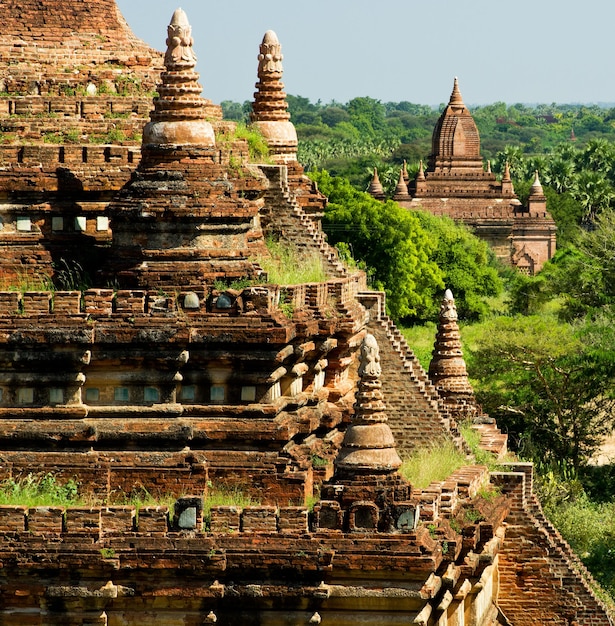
[(284, 216), (417, 414), (538, 544)]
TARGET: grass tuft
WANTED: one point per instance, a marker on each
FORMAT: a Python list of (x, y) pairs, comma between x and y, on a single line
[(36, 490), (432, 464), (225, 496), (288, 265)]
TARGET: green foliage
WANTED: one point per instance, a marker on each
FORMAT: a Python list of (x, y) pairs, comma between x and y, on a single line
[(288, 265), (24, 282), (587, 525), (468, 265), (432, 464), (70, 136), (39, 490), (257, 144), (533, 375), (584, 273), (235, 111), (483, 457), (421, 339), (389, 240), (70, 276)]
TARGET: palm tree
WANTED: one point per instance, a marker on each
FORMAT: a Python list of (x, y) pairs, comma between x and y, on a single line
[(594, 192)]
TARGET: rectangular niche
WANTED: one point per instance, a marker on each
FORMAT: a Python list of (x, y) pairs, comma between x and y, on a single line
[(24, 224), (81, 223), (102, 223), (151, 394), (217, 394), (187, 392), (56, 396), (248, 394), (92, 394), (121, 394), (25, 395), (57, 223)]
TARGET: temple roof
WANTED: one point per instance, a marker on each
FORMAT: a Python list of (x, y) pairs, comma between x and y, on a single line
[(455, 134)]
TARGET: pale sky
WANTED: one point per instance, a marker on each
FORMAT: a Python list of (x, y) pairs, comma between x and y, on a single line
[(532, 51)]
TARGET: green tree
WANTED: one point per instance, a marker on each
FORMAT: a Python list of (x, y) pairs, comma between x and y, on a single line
[(389, 240), (584, 273), (367, 115), (594, 192), (534, 377), (468, 265)]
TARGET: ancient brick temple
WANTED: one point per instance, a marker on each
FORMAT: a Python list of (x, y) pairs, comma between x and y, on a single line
[(457, 184), (182, 368)]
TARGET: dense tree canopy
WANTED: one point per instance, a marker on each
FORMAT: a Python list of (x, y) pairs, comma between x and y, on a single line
[(413, 255), (549, 385), (389, 240)]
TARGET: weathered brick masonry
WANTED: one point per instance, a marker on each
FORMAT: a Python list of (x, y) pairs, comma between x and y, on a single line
[(181, 367)]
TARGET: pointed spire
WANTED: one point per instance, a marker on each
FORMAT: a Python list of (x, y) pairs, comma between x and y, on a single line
[(536, 188), (456, 99), (401, 190), (405, 172), (269, 99), (270, 109), (421, 174), (180, 113), (447, 369), (369, 446), (508, 191), (488, 166), (375, 187)]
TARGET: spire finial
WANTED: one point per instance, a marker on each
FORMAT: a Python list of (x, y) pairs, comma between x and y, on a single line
[(180, 112), (456, 99), (270, 109), (421, 174), (536, 188), (179, 41)]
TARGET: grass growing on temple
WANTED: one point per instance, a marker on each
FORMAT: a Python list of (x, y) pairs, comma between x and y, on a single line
[(288, 265), (39, 490), (432, 464), (224, 496)]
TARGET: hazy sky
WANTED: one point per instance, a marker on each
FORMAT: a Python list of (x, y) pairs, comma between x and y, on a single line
[(502, 50)]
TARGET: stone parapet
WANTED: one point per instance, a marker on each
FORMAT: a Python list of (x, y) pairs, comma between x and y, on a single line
[(332, 298)]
